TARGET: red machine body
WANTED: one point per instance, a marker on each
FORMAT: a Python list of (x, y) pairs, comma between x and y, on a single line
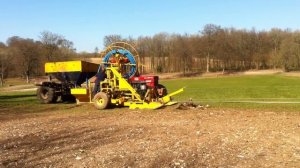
[(151, 81), (147, 86)]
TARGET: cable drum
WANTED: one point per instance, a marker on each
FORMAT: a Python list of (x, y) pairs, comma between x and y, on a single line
[(123, 56), (125, 53)]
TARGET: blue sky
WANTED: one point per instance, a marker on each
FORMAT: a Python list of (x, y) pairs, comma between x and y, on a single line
[(86, 22)]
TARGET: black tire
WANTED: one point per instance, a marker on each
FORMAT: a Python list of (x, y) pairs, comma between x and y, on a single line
[(101, 100), (55, 98), (68, 98), (46, 95), (165, 91)]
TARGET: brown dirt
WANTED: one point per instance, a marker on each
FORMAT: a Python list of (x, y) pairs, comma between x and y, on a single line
[(160, 138)]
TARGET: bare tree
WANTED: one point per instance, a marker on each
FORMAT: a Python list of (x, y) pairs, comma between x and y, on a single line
[(26, 54), (209, 33), (290, 52), (213, 49), (55, 46), (109, 39), (5, 62)]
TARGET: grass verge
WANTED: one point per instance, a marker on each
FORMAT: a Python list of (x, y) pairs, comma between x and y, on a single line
[(270, 92)]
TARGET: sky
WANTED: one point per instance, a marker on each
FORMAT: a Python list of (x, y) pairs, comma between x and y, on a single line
[(86, 22)]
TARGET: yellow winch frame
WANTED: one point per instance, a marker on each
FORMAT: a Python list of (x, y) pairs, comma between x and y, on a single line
[(115, 82)]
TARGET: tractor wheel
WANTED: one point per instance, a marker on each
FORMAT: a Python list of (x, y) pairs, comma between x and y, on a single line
[(101, 100), (46, 95), (164, 91)]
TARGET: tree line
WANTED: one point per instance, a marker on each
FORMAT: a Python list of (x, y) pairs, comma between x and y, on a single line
[(24, 57), (218, 49), (213, 48)]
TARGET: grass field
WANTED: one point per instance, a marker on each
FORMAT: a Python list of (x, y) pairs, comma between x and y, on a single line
[(262, 91), (274, 92)]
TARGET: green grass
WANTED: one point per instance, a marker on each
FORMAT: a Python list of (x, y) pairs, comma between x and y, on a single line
[(257, 92), (16, 98), (26, 102), (22, 103), (267, 92)]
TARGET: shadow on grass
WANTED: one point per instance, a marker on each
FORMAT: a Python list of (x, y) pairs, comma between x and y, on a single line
[(8, 97), (18, 105)]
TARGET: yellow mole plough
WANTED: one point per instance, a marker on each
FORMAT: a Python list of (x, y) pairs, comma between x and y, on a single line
[(121, 86)]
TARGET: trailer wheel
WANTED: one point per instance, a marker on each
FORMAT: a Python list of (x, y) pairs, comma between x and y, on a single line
[(101, 101), (162, 90), (46, 95)]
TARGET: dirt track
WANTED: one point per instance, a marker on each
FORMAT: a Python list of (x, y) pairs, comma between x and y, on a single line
[(161, 138)]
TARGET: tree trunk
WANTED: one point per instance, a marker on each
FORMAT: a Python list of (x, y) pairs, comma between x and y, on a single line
[(207, 63), (152, 63), (27, 76), (2, 74), (184, 65), (275, 57), (2, 82)]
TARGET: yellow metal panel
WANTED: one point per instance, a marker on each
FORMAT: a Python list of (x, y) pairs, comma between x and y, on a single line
[(144, 105), (70, 66), (171, 103), (127, 103), (114, 101), (167, 98), (124, 85), (79, 91)]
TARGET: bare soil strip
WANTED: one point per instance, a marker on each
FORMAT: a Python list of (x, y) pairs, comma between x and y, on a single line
[(84, 137)]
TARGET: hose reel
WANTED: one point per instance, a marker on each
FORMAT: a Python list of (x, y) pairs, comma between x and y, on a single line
[(121, 55)]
